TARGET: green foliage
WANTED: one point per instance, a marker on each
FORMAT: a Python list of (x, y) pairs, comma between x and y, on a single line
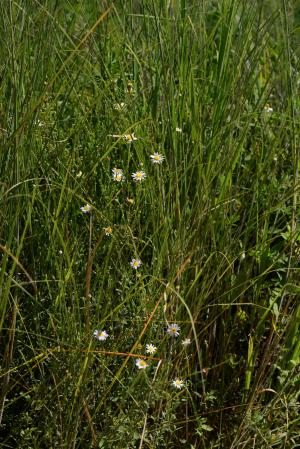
[(212, 86)]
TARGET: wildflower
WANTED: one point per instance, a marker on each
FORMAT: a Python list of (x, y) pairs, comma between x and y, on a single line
[(136, 263), (186, 342), (139, 175), (79, 174), (173, 330), (100, 335), (108, 231), (86, 209), (157, 158), (118, 174), (151, 349), (178, 383), (178, 130), (141, 364)]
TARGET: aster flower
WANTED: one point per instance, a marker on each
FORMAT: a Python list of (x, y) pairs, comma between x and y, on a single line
[(108, 231), (135, 263), (186, 342), (86, 209), (139, 175), (173, 330), (100, 335), (141, 364), (157, 158), (151, 349), (118, 174), (178, 383)]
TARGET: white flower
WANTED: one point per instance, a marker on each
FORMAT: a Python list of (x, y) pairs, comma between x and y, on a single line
[(79, 174), (135, 263), (151, 349), (108, 231), (186, 342), (118, 174), (178, 383), (139, 175), (157, 158), (173, 330), (178, 130), (141, 364), (100, 335), (86, 209)]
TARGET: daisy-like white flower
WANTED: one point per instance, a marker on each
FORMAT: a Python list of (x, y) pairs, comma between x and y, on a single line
[(118, 174), (151, 349), (186, 342), (178, 383), (86, 209), (135, 263), (173, 330), (178, 130), (100, 335), (141, 364), (157, 158), (139, 175)]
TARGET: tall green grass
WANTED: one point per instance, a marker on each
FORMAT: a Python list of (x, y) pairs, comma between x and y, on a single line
[(212, 86)]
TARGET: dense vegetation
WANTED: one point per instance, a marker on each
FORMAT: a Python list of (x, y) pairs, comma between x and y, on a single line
[(196, 255)]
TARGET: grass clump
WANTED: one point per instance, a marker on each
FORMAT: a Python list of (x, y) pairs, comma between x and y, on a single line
[(149, 238)]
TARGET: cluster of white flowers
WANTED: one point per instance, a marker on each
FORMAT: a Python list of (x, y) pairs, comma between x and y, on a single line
[(172, 330)]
